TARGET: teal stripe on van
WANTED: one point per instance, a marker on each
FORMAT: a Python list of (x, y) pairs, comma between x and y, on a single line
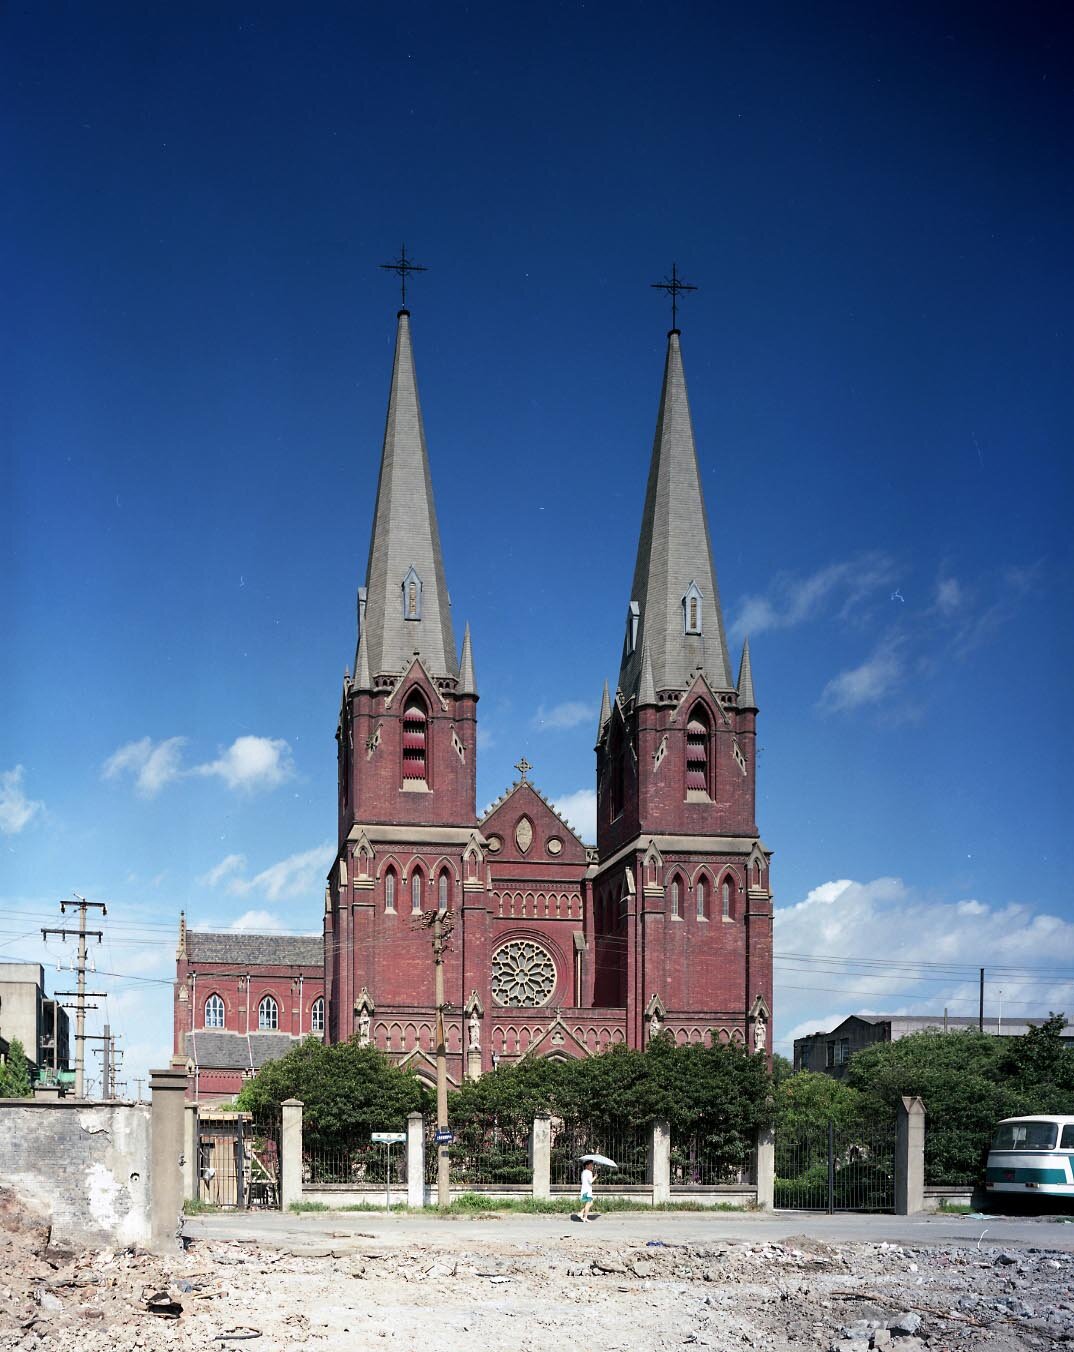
[(1001, 1175)]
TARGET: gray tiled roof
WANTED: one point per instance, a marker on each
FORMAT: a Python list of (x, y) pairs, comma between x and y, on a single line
[(674, 550), (236, 1051), (256, 950), (405, 535)]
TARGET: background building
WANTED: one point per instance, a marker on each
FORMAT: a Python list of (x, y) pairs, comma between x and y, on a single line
[(28, 1015)]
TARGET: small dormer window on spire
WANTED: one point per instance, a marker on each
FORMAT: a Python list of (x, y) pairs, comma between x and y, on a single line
[(632, 621), (691, 610), (412, 596)]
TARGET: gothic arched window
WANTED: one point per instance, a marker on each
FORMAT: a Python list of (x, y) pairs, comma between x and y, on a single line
[(268, 1014), (725, 899), (676, 899), (702, 899), (389, 890), (443, 888), (415, 741), (317, 1015), (415, 890), (214, 1012), (698, 757)]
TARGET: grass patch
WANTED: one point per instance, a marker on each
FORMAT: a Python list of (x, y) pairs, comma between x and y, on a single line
[(308, 1206), (947, 1208), (476, 1203), (194, 1206)]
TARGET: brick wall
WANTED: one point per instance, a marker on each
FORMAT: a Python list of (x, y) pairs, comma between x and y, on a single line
[(84, 1165)]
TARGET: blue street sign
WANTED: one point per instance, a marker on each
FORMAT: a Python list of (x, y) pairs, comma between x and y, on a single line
[(444, 1136)]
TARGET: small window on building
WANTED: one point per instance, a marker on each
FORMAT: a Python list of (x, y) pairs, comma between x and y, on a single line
[(442, 892), (692, 610), (757, 873), (214, 1012), (698, 780), (268, 1014), (411, 596), (725, 899), (676, 899), (415, 891), (633, 617), (702, 900), (829, 1059), (389, 890), (317, 1016), (415, 741), (842, 1051)]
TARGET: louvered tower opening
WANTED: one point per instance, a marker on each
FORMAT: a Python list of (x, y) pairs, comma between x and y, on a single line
[(415, 743), (698, 782)]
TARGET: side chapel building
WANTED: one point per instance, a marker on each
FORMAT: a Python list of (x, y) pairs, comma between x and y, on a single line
[(559, 948)]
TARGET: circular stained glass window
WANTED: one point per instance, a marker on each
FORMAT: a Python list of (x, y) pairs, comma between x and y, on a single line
[(523, 974)]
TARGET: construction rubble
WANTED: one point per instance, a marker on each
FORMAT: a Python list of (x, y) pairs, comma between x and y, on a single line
[(575, 1292)]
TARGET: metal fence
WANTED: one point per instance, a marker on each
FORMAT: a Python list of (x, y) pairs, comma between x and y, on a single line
[(837, 1169), (698, 1161), (359, 1163), (239, 1160), (483, 1153), (625, 1142)]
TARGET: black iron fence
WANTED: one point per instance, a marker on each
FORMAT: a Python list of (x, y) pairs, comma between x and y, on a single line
[(358, 1163), (239, 1159), (699, 1161), (483, 1153), (837, 1169), (627, 1143)]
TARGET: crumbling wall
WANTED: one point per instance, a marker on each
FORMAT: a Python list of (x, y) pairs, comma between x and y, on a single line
[(85, 1166)]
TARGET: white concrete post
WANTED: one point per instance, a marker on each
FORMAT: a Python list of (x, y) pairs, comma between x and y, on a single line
[(766, 1169), (541, 1155), (190, 1151), (910, 1158), (167, 1093), (660, 1161), (415, 1160), (290, 1152)]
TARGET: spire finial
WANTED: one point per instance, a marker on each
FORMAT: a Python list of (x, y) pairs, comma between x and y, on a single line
[(674, 286), (523, 767), (402, 266)]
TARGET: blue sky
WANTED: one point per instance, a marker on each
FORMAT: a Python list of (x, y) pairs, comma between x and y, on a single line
[(877, 208)]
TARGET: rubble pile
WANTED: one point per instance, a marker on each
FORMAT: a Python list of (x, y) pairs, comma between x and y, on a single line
[(359, 1290)]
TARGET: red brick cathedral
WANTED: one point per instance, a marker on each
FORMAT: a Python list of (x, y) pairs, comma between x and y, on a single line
[(558, 948)]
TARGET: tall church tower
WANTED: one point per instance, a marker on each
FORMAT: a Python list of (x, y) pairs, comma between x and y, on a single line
[(407, 745), (682, 925)]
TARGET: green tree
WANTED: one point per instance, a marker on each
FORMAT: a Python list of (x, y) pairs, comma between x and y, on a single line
[(15, 1073), (806, 1102)]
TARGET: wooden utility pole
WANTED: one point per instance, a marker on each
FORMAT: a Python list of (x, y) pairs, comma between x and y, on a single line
[(81, 994), (440, 923)]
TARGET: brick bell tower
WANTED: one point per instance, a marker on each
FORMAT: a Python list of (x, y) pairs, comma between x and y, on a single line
[(407, 743), (682, 908)]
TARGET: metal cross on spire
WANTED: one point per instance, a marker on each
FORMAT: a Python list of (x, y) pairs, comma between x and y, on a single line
[(674, 286), (523, 767), (402, 266)]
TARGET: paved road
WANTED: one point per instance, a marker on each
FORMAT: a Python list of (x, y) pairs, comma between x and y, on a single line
[(345, 1230)]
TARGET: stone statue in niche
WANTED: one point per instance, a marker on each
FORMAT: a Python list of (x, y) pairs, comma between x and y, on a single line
[(364, 1024), (760, 1034), (474, 1031), (655, 1026)]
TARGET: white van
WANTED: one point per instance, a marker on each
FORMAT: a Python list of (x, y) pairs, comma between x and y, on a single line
[(1032, 1154)]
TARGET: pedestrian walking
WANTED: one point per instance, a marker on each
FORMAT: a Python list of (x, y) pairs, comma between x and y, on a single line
[(586, 1193)]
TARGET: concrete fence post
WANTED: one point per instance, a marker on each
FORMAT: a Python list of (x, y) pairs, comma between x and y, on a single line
[(290, 1152), (910, 1158), (415, 1160), (541, 1155), (166, 1160), (659, 1171), (190, 1151), (766, 1169)]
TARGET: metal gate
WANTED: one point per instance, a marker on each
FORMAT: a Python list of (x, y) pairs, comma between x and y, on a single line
[(238, 1159), (837, 1169)]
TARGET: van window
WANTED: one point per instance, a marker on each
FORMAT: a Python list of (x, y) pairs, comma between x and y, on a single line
[(1025, 1136), (1067, 1143)]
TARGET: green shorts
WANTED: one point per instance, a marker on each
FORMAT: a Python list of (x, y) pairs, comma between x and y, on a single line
[(587, 1196)]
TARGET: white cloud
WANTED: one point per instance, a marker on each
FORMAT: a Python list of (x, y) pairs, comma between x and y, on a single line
[(840, 587), (876, 677), (299, 877), (251, 763), (817, 983), (231, 863), (949, 596), (153, 764), (16, 810), (566, 715), (257, 922), (580, 810)]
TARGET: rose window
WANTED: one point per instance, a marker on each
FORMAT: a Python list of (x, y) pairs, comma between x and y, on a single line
[(523, 974)]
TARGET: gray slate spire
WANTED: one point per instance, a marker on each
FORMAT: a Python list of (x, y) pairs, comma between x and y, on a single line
[(467, 681), (362, 678), (605, 712), (745, 678), (646, 686), (404, 550), (674, 550)]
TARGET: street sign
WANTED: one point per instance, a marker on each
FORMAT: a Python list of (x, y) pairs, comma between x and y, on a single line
[(444, 1136), (388, 1137)]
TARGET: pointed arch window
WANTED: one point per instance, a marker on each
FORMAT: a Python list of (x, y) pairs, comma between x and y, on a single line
[(415, 742), (443, 890), (389, 890), (726, 899), (268, 1014), (317, 1015), (415, 890), (691, 610), (676, 899), (702, 899), (756, 873), (412, 596), (214, 1012), (698, 753)]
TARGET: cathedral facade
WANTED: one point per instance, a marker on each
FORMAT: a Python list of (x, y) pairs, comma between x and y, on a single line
[(558, 947)]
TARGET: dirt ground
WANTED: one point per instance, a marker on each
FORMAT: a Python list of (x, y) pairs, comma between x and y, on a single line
[(354, 1290)]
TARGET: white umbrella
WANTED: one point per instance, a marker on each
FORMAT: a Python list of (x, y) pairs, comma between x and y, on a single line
[(599, 1159)]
